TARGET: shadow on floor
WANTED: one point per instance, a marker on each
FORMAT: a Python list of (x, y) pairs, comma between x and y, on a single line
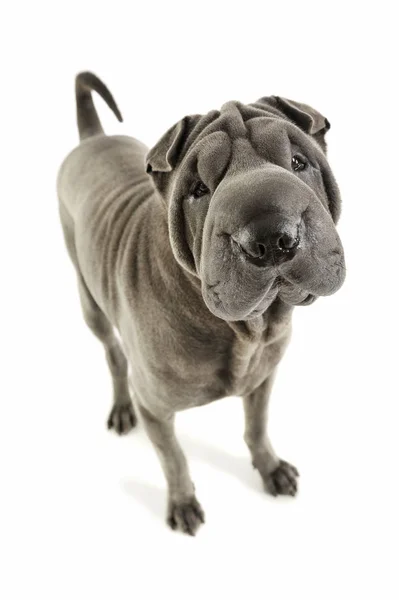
[(236, 466), (154, 497), (150, 496)]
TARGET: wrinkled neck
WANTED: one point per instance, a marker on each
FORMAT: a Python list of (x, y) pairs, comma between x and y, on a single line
[(261, 328)]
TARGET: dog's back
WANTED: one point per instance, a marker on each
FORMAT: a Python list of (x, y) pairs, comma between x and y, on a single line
[(100, 185), (98, 168)]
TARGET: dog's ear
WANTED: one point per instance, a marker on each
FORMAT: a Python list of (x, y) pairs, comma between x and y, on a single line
[(164, 156), (305, 117)]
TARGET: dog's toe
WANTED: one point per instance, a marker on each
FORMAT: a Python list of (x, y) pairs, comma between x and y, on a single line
[(283, 480), (186, 516), (122, 418)]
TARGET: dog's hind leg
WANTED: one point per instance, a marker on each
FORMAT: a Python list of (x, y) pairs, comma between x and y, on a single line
[(184, 510), (279, 477), (122, 417)]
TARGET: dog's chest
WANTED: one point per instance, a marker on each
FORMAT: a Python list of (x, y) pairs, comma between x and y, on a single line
[(181, 362), (237, 364), (257, 349)]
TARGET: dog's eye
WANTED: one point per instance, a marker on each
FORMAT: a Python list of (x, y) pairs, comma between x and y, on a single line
[(200, 190), (298, 163)]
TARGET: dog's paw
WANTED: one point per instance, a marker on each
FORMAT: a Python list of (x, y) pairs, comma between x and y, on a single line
[(283, 480), (185, 515), (122, 418)]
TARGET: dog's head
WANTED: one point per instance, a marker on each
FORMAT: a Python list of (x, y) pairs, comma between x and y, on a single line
[(252, 205)]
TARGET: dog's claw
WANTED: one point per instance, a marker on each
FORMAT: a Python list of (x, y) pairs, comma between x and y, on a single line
[(186, 516), (122, 418), (283, 480)]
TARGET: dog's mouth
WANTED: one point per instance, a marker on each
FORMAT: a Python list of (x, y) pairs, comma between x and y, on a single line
[(310, 298), (293, 294), (288, 292)]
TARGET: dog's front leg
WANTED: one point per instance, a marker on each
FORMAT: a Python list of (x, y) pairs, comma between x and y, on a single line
[(279, 477), (184, 510)]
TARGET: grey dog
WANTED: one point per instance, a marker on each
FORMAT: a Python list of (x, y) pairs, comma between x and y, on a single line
[(196, 253)]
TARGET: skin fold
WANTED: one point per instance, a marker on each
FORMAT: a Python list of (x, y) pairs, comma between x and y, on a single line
[(196, 253)]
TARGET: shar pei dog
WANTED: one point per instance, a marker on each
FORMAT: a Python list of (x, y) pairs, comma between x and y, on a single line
[(190, 258)]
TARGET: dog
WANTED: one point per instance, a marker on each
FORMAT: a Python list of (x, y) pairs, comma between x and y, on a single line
[(196, 252)]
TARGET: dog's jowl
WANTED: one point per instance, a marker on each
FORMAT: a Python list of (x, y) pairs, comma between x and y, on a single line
[(196, 252)]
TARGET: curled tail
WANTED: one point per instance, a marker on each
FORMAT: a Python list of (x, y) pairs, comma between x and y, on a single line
[(88, 121)]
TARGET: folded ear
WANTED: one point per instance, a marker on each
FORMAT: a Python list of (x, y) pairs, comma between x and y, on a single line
[(304, 116), (164, 156)]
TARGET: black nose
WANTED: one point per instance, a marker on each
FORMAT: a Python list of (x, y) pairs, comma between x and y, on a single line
[(288, 242), (267, 243)]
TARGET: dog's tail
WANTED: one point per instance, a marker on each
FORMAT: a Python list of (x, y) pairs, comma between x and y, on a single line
[(88, 121)]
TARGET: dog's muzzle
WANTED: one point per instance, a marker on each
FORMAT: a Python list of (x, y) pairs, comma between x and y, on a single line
[(268, 234)]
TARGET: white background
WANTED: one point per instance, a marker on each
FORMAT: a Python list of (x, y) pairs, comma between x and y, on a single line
[(82, 511)]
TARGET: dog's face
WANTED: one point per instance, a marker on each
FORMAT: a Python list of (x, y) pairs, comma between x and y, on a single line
[(252, 205)]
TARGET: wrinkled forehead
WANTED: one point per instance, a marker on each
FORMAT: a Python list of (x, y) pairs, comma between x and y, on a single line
[(232, 143)]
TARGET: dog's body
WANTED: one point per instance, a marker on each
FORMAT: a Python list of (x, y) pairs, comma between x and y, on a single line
[(119, 228), (146, 266)]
